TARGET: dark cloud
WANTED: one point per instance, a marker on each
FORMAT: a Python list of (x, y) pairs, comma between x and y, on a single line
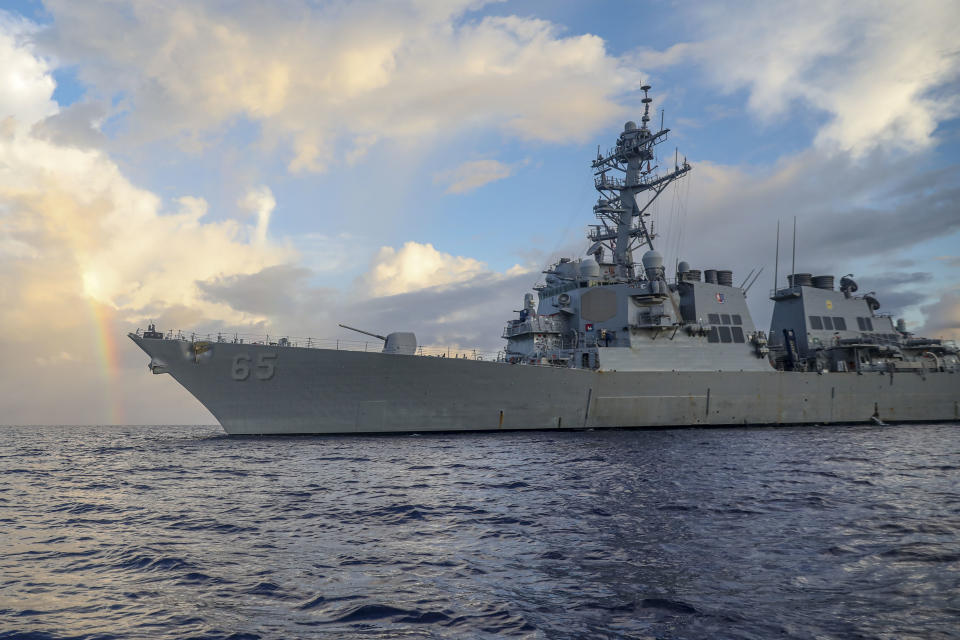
[(268, 292), (74, 126), (902, 263), (848, 210), (895, 279), (470, 314), (896, 291), (845, 209)]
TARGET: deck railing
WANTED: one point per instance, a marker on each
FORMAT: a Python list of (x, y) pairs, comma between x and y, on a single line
[(338, 344)]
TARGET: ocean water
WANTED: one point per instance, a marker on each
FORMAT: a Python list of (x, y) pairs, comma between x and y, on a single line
[(183, 532)]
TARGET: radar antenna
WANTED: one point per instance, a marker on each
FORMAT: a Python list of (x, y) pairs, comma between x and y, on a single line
[(624, 199)]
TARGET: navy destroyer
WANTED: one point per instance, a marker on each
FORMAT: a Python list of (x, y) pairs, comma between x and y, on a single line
[(604, 342)]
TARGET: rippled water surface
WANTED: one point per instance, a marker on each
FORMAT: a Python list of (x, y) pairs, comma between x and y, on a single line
[(175, 532)]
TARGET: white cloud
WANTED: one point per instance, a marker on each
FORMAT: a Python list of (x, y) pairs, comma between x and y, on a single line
[(24, 78), (331, 82), (78, 211), (417, 266), (880, 70), (261, 202), (86, 255), (473, 175)]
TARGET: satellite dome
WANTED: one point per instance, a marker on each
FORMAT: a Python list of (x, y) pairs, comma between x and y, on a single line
[(652, 264), (630, 126), (589, 268), (653, 259)]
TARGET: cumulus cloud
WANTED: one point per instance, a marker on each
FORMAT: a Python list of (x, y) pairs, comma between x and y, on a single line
[(881, 71), (335, 80), (85, 254), (417, 266), (27, 85), (124, 247), (473, 175)]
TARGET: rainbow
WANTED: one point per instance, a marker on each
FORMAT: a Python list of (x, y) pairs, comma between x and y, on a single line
[(107, 354)]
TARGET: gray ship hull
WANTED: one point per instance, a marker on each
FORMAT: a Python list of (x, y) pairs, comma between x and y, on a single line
[(264, 389)]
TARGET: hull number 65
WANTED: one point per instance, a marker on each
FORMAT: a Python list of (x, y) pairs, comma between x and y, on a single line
[(265, 366)]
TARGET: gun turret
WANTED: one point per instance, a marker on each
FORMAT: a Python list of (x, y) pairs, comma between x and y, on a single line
[(366, 333), (402, 342)]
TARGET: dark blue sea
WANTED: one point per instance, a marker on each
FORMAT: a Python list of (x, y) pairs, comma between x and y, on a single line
[(183, 532)]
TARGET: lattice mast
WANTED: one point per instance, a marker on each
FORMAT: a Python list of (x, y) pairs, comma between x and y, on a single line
[(625, 199)]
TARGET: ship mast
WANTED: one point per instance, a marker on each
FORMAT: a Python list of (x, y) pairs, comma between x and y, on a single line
[(625, 199)]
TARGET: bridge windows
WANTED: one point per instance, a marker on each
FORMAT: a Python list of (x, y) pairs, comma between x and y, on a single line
[(865, 324), (827, 323), (839, 323), (724, 334), (737, 334), (713, 318), (737, 320), (725, 318), (714, 335), (816, 323)]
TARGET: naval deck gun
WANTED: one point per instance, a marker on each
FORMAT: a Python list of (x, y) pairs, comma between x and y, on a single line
[(398, 342)]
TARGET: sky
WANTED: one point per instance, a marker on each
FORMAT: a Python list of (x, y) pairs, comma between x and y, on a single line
[(414, 165)]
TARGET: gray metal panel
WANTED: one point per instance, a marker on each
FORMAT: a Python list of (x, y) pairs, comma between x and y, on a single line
[(684, 353), (598, 304)]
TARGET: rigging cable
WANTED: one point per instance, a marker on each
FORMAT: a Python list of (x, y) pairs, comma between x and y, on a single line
[(565, 230)]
